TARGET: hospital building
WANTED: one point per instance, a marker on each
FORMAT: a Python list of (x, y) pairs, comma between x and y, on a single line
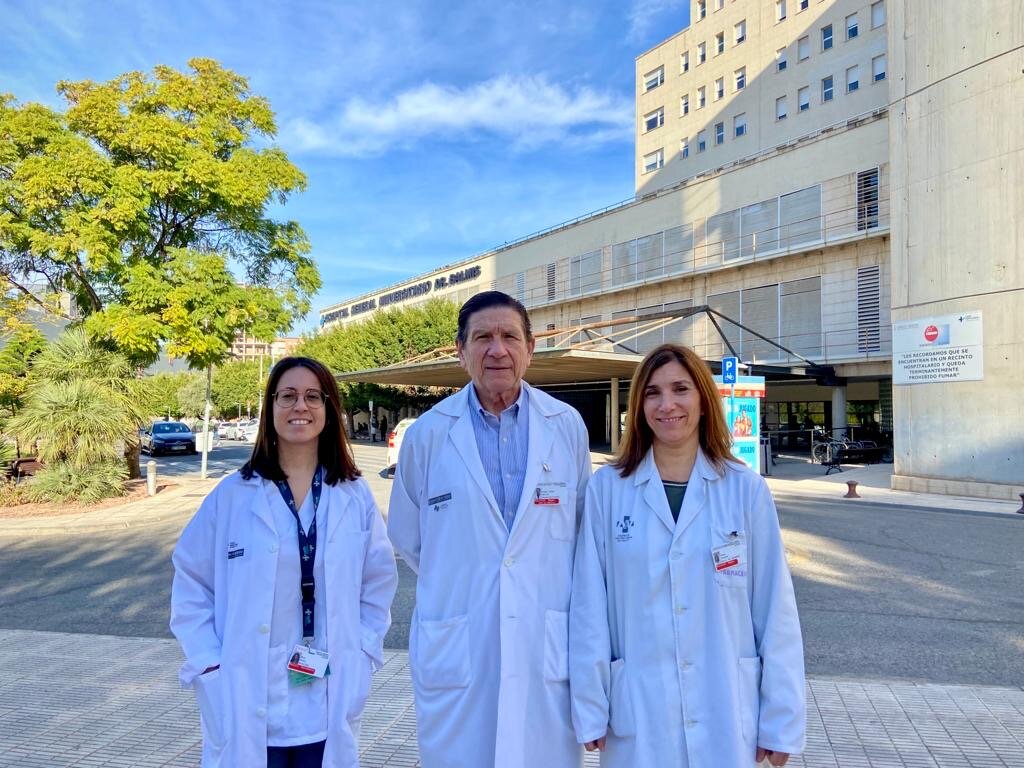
[(831, 190)]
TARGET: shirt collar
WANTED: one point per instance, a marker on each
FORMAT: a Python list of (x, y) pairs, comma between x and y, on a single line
[(516, 408)]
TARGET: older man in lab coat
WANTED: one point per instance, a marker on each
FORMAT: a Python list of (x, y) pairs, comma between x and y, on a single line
[(485, 507)]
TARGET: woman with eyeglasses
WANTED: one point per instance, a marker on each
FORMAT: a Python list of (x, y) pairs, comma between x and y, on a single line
[(684, 642), (282, 589)]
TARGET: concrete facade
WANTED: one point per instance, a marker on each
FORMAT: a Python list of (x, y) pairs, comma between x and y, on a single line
[(958, 235)]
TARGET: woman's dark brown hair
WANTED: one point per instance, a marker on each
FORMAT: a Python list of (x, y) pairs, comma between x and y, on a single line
[(715, 439), (333, 450)]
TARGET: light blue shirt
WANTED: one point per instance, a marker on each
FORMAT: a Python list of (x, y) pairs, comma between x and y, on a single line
[(503, 444)]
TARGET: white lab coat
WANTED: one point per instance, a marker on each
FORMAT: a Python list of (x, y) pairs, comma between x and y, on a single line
[(489, 638), (221, 610), (667, 651)]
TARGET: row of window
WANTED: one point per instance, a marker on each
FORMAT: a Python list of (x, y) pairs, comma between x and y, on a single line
[(656, 77), (656, 119), (803, 95)]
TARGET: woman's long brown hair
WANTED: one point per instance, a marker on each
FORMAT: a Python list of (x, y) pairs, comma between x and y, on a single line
[(715, 440)]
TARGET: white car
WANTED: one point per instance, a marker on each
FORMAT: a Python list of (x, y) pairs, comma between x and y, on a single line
[(395, 443), (247, 431)]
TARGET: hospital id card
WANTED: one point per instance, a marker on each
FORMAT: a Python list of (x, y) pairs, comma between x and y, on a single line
[(728, 556), (549, 494), (308, 661)]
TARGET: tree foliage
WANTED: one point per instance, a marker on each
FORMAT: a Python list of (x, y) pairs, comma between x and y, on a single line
[(144, 199), (20, 342), (192, 396), (385, 338), (236, 383)]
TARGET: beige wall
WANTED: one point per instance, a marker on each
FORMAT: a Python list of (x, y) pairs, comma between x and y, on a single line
[(764, 83), (958, 234)]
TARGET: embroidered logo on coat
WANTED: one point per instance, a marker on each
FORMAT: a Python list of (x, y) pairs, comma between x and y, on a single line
[(624, 525)]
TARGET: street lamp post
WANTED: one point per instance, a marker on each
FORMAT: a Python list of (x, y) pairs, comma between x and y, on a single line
[(239, 411)]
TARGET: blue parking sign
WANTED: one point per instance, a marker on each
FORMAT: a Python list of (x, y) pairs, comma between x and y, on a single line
[(729, 370)]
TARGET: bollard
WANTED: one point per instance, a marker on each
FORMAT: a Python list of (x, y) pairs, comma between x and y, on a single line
[(851, 492), (1021, 510), (151, 478)]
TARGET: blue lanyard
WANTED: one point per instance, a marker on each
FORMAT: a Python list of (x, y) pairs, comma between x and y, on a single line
[(307, 548)]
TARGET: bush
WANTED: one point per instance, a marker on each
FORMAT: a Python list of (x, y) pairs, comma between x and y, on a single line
[(11, 495), (65, 482)]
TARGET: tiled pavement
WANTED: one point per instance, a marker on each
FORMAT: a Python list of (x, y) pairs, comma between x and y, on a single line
[(89, 700)]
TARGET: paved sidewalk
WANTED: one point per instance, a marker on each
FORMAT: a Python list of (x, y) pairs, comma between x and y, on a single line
[(114, 701)]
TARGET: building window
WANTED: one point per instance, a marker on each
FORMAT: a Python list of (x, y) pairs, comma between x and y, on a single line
[(803, 98), (701, 97), (684, 147), (654, 78), (804, 4), (867, 199), (719, 5), (702, 9), (702, 141), (780, 108), (654, 119), (719, 43), (719, 88), (739, 125), (803, 48), (654, 161), (780, 10), (878, 68), (719, 133), (826, 37), (684, 62), (780, 60), (877, 14), (684, 105), (741, 78), (551, 285), (740, 32), (702, 52), (827, 91), (851, 26), (852, 79)]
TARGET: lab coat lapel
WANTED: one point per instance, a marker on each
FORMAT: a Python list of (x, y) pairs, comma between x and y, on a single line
[(262, 508), (540, 442), (334, 503), (696, 492), (464, 440), (654, 492)]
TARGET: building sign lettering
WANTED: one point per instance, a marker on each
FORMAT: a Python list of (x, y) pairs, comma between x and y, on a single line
[(402, 294), (936, 349)]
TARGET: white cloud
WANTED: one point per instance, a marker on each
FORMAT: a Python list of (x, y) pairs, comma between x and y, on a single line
[(527, 111), (643, 14)]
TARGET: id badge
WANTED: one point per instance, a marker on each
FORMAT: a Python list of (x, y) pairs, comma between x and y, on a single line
[(549, 494), (728, 557), (308, 661)]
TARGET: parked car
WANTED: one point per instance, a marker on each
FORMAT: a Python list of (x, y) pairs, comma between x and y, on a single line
[(247, 431), (167, 437), (395, 443)]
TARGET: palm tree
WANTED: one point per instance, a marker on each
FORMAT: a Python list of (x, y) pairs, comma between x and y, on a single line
[(84, 402)]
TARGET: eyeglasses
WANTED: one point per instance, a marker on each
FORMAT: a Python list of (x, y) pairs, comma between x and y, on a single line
[(313, 398)]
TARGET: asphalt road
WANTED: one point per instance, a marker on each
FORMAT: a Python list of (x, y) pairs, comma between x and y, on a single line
[(884, 592)]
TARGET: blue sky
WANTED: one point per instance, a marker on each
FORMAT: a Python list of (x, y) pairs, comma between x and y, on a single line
[(429, 131)]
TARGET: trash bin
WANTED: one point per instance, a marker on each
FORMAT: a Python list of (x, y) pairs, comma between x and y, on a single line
[(766, 456)]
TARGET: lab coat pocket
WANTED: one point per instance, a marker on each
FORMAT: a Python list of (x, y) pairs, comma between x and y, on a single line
[(730, 558), (210, 701), (442, 653), (621, 718), (562, 521), (556, 646), (750, 697), (360, 666), (277, 683)]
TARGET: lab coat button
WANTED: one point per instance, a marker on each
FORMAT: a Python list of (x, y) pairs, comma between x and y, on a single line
[(509, 562), (261, 712), (679, 610), (690, 723), (272, 548), (264, 629), (676, 555)]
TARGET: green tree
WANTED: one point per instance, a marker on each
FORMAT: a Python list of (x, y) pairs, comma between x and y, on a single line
[(236, 383), (386, 338), (144, 200), (84, 404), (162, 393), (192, 396)]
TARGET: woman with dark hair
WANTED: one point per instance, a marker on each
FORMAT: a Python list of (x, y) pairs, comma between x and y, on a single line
[(684, 641), (282, 589)]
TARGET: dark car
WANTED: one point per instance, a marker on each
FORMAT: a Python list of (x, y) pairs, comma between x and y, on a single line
[(167, 437)]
